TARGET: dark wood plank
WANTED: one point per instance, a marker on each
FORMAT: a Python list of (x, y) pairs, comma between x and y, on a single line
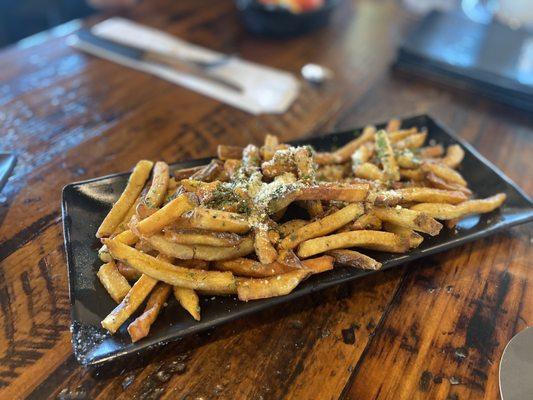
[(70, 116)]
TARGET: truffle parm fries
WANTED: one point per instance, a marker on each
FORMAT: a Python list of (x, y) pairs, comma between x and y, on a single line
[(261, 219)]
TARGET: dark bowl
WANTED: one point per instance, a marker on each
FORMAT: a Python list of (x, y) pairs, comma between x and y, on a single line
[(279, 22)]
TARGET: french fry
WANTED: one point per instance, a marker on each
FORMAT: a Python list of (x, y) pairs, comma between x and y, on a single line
[(231, 166), (167, 214), (386, 156), (158, 188), (131, 274), (411, 142), (134, 187), (140, 327), (202, 237), (354, 259), (375, 240), (448, 211), (350, 193), (210, 172), (414, 238), (366, 221), (323, 226), (419, 195), (412, 174), (345, 152), (279, 285), (369, 171), (251, 158), (131, 302), (189, 301), (394, 124), (225, 152), (318, 264), (269, 148), (169, 273), (406, 218), (407, 159), (314, 207), (305, 167), (291, 226), (454, 156), (439, 183), (444, 172), (362, 155), (263, 248), (251, 268), (123, 226), (209, 253), (116, 285), (431, 151), (214, 220), (185, 173), (399, 134)]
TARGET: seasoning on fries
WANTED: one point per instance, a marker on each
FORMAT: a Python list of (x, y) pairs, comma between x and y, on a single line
[(259, 220)]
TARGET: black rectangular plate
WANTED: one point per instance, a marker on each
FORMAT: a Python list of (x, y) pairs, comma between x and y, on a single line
[(85, 204)]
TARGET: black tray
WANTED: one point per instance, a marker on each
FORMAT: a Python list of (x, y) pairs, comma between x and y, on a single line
[(85, 204)]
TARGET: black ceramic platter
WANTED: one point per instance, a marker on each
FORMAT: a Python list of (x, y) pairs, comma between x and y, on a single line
[(85, 204)]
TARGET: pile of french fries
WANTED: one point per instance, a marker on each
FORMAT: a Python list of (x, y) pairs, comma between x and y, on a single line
[(225, 228)]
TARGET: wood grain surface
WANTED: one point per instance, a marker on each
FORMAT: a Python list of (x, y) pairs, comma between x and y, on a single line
[(433, 329)]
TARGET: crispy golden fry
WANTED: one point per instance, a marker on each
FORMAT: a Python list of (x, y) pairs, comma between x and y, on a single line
[(189, 301), (202, 237), (448, 211), (269, 148), (158, 188), (229, 152), (197, 264), (116, 285), (454, 156), (185, 173), (124, 224), (305, 167), (167, 214), (439, 183), (442, 171), (263, 248), (199, 252), (407, 159), (362, 155), (419, 195), (369, 171), (281, 163), (131, 274), (140, 327), (354, 259), (214, 220), (386, 156), (333, 172), (131, 302), (251, 158), (397, 135), (431, 151), (251, 268), (412, 174), (375, 240), (366, 221), (345, 152), (291, 226), (210, 172), (417, 221), (414, 238), (279, 285), (134, 187), (318, 264), (411, 142), (394, 124), (231, 166), (171, 274), (350, 193), (127, 237), (323, 226)]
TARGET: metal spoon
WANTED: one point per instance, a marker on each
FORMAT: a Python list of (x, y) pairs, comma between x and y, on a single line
[(315, 73)]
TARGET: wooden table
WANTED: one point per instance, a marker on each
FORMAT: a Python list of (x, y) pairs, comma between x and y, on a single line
[(434, 329)]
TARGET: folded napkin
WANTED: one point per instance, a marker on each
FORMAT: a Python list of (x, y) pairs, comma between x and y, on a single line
[(265, 90)]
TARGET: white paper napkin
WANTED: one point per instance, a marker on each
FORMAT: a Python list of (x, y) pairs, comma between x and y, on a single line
[(265, 89)]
